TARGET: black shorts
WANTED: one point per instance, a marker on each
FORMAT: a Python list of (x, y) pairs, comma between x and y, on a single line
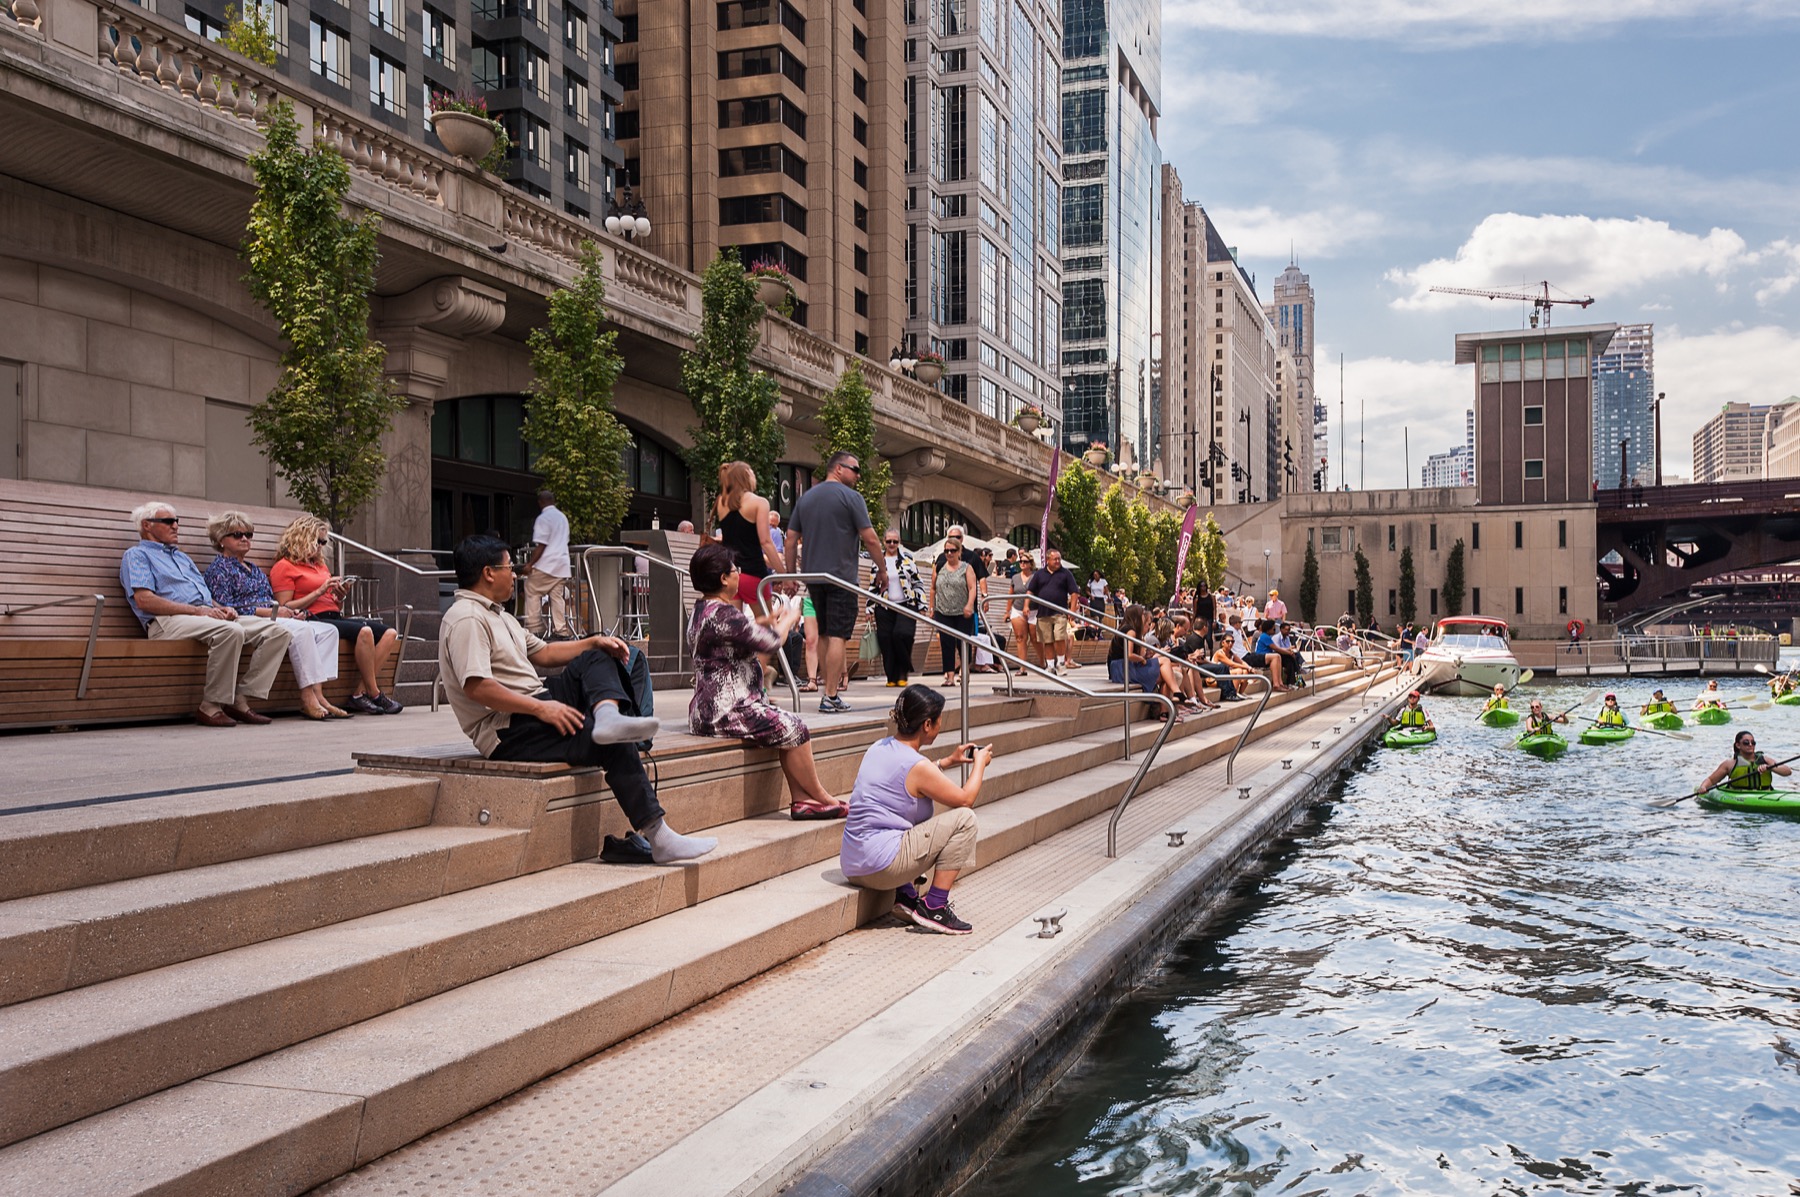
[(349, 628), (835, 609)]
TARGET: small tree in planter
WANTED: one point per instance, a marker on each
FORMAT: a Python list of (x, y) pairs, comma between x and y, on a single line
[(1409, 596), (1365, 591), (577, 442), (734, 400), (1213, 554), (313, 268), (1453, 580), (1309, 586), (462, 123), (1077, 508), (847, 421)]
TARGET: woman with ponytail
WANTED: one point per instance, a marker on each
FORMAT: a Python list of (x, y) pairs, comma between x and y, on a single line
[(891, 837)]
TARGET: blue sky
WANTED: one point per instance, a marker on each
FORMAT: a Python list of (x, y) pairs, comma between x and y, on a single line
[(1645, 152)]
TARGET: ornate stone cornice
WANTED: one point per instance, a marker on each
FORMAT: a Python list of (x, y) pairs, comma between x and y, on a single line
[(452, 306)]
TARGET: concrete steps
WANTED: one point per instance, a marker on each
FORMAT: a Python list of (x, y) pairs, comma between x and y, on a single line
[(272, 1066)]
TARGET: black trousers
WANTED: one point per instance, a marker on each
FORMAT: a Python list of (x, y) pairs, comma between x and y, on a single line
[(894, 633), (591, 678), (949, 647)]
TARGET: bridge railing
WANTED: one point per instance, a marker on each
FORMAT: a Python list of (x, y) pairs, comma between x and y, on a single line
[(1652, 654), (1763, 494)]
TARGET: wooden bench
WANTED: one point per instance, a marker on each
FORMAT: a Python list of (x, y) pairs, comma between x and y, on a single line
[(71, 651)]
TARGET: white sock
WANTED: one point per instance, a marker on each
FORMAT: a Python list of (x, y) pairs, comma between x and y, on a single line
[(667, 846), (612, 727)]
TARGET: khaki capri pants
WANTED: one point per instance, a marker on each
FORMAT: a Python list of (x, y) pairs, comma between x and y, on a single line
[(945, 841)]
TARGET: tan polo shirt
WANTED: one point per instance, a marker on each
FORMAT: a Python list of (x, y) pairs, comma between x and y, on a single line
[(479, 639)]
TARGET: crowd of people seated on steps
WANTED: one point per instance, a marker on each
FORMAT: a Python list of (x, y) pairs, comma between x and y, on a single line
[(294, 610)]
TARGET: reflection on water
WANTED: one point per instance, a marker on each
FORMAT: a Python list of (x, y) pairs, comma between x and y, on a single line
[(1473, 973)]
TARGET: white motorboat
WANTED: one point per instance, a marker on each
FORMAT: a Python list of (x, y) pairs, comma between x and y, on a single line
[(1468, 655)]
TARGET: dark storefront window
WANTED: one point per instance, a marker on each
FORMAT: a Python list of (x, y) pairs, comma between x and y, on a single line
[(924, 523)]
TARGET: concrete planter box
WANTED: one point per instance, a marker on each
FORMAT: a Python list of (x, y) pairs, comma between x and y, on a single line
[(464, 134)]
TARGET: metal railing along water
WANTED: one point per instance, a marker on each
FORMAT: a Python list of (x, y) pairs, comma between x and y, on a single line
[(969, 643)]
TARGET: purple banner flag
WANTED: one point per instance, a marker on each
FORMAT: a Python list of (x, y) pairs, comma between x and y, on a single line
[(1049, 498), (1187, 538)]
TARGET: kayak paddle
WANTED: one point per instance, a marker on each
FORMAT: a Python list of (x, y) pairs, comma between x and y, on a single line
[(1563, 714), (1666, 803)]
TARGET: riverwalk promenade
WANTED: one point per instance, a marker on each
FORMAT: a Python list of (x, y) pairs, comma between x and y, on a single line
[(234, 965)]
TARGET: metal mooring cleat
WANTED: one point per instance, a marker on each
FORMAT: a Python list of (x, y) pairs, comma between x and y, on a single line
[(1175, 837), (1050, 925), (1243, 793)]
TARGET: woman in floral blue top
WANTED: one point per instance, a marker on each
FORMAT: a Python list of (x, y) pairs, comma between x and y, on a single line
[(240, 585)]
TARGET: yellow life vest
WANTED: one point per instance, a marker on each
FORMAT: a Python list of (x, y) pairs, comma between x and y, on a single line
[(1412, 717), (1656, 708), (1495, 704), (1748, 776), (1608, 718)]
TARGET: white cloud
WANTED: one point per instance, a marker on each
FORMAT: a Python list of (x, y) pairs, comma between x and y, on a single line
[(1702, 373), (1604, 257), (1786, 256), (1460, 22), (1216, 98), (1262, 232)]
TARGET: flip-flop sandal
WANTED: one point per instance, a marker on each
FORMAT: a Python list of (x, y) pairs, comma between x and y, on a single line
[(804, 813), (809, 688)]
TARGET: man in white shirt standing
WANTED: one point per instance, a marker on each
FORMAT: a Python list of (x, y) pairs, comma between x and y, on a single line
[(547, 571)]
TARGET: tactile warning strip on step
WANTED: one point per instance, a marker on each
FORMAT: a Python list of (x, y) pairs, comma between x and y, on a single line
[(586, 1127)]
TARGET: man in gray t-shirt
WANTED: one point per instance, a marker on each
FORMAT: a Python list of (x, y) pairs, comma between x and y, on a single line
[(828, 522)]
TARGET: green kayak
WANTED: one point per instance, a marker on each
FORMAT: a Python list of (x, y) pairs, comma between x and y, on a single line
[(1790, 699), (1712, 716), (1547, 745), (1665, 720), (1774, 802), (1408, 737), (1600, 734), (1500, 717)]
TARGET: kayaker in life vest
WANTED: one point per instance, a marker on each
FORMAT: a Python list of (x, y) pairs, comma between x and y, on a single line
[(1412, 714), (1658, 703), (1610, 715), (1709, 697), (1747, 769), (1537, 723), (1497, 702)]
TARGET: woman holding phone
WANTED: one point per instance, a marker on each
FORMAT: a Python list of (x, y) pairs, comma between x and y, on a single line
[(302, 580), (891, 836)]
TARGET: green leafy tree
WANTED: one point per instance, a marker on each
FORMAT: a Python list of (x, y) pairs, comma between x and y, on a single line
[(1409, 588), (247, 31), (577, 441), (847, 423), (735, 402), (1115, 546), (1365, 591), (1309, 586), (1165, 541), (1077, 509), (313, 268), (1155, 537), (1213, 556), (1453, 580)]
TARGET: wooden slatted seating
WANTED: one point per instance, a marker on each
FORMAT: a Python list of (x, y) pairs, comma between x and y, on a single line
[(64, 542)]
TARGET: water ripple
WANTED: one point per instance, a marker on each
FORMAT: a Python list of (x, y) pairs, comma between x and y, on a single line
[(1473, 973)]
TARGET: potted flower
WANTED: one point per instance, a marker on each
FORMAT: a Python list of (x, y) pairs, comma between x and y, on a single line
[(1097, 454), (773, 282), (1029, 417), (1147, 482), (1185, 500), (462, 123), (930, 367)]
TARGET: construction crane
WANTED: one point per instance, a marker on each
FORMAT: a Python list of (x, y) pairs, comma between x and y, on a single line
[(1540, 303)]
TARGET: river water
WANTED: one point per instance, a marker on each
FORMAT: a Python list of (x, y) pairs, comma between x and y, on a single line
[(1470, 972)]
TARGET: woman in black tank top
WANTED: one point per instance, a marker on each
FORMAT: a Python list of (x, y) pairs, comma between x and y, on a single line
[(742, 517)]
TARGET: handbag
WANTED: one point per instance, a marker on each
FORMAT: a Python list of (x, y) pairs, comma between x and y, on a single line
[(869, 649)]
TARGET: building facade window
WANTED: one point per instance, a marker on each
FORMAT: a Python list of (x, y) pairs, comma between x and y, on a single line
[(438, 38), (1518, 600), (1562, 534), (1475, 600), (387, 84), (1434, 538), (1534, 468), (329, 54), (575, 165), (1562, 600), (1534, 415), (1518, 534), (1084, 122)]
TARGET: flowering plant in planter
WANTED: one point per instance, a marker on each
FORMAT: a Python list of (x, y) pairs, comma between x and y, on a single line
[(927, 358), (1098, 453), (470, 105), (771, 269)]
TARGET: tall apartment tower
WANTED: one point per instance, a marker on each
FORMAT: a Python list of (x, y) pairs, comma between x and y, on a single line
[(1111, 245), (1237, 342), (545, 68), (1624, 412), (1733, 445), (983, 201), (1184, 444), (1290, 310), (775, 126)]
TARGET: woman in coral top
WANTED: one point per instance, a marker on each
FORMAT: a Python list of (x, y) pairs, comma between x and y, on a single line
[(301, 579)]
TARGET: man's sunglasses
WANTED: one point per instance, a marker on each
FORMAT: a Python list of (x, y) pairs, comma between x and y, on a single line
[(168, 521)]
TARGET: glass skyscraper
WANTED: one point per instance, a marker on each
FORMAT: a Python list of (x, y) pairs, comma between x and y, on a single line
[(1112, 241), (1624, 392)]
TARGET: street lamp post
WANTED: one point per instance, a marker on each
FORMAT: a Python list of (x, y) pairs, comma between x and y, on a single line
[(626, 217), (1268, 582)]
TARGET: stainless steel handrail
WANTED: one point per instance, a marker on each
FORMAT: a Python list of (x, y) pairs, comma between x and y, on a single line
[(341, 542), (968, 641), (87, 660)]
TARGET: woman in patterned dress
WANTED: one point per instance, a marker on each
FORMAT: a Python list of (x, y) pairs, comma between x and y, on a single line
[(728, 680)]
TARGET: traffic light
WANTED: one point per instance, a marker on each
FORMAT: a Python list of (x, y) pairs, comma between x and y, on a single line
[(1237, 472)]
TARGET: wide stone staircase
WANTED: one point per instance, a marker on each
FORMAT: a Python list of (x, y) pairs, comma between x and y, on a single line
[(255, 990)]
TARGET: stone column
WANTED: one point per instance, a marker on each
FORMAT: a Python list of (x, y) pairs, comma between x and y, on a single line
[(423, 331), (910, 471)]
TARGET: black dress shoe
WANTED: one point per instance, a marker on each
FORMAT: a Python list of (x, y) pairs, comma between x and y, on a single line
[(246, 715)]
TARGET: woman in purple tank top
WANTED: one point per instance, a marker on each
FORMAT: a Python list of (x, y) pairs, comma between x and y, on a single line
[(891, 837)]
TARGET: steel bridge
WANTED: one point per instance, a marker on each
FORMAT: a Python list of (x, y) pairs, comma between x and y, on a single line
[(1656, 543)]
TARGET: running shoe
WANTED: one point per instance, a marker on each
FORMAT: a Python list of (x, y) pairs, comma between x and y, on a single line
[(940, 919), (362, 704)]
